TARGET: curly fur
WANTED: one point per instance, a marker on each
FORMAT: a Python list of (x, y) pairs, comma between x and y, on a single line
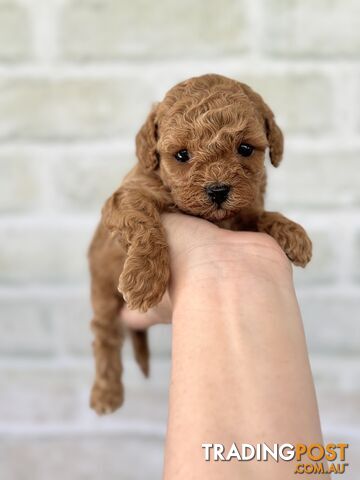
[(209, 116)]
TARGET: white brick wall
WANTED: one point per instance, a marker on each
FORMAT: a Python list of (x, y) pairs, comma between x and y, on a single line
[(77, 78), (304, 28)]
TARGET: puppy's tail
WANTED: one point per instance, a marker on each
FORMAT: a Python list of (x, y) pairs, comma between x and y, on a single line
[(139, 339)]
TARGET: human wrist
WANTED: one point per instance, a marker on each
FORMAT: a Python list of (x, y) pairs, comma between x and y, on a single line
[(231, 258)]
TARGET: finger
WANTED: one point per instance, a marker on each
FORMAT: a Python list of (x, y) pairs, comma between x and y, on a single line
[(136, 320), (159, 314)]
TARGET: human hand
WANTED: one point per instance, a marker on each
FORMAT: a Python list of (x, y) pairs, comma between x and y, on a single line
[(187, 236), (200, 249)]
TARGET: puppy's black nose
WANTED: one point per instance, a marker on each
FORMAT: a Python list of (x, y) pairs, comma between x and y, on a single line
[(218, 192)]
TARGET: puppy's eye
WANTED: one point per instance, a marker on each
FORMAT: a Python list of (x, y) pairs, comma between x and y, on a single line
[(182, 156), (245, 150)]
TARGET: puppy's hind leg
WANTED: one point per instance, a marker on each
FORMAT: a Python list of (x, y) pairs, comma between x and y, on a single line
[(107, 393)]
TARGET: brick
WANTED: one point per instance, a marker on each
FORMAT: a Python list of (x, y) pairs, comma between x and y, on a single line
[(20, 184), (59, 323), (337, 376), (332, 415), (83, 182), (356, 259), (316, 29), (27, 330), (42, 394), (355, 98), (336, 373), (306, 179), (15, 38), (72, 109), (72, 317), (114, 456), (331, 322), (107, 30), (45, 393), (38, 252), (48, 404), (110, 456), (301, 101)]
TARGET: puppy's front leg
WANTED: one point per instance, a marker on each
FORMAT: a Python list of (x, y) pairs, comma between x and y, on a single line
[(291, 236), (134, 217)]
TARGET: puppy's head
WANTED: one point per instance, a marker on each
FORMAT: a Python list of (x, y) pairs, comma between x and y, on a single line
[(207, 141)]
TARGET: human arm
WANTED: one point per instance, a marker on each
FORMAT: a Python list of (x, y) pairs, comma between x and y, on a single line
[(240, 369)]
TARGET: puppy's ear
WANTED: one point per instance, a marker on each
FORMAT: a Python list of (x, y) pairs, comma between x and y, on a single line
[(273, 132), (275, 137), (146, 140)]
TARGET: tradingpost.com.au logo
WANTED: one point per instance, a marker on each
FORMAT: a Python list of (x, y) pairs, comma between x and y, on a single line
[(310, 459)]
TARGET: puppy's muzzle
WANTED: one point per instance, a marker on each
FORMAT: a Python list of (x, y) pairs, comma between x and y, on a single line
[(218, 193)]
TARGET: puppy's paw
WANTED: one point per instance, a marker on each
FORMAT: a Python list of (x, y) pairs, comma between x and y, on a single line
[(144, 280), (106, 398), (295, 242)]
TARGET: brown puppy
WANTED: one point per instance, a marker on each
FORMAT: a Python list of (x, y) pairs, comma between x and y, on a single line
[(201, 151)]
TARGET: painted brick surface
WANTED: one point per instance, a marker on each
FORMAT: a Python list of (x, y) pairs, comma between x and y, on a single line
[(20, 183), (15, 32), (311, 180), (83, 183), (300, 101), (312, 29), (35, 253), (71, 109), (76, 81), (110, 29)]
